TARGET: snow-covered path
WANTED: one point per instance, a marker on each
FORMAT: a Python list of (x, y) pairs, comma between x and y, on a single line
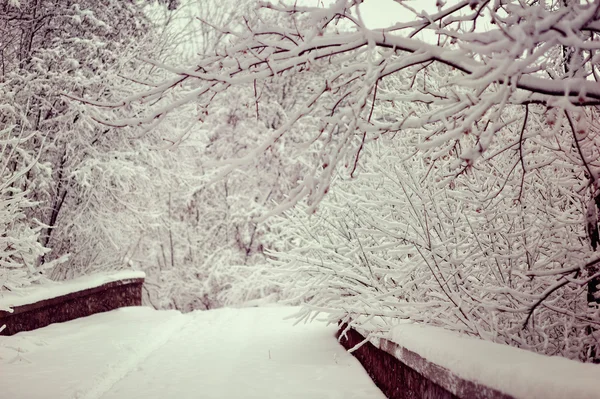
[(142, 353)]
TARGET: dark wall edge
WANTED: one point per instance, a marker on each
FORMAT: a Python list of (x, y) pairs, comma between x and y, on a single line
[(108, 296), (403, 374)]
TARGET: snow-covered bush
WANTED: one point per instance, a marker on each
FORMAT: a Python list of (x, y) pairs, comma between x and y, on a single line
[(498, 248), (474, 253)]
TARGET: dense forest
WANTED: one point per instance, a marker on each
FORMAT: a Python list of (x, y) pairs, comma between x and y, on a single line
[(442, 170)]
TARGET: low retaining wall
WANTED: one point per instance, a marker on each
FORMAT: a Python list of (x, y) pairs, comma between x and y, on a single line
[(102, 298), (398, 378)]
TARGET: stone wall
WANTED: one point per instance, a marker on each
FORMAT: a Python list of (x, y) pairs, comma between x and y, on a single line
[(403, 374), (108, 296)]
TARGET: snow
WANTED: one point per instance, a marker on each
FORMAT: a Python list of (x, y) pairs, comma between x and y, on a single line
[(139, 352), (514, 371), (53, 289)]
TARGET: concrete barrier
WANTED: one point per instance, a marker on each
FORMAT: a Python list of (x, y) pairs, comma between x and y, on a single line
[(72, 305), (403, 374)]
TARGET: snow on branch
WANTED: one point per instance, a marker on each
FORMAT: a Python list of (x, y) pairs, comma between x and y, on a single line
[(505, 53)]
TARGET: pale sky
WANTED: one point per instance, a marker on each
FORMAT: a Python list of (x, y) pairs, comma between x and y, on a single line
[(383, 13)]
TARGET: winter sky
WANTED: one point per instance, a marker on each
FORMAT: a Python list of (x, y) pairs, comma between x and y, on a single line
[(382, 13)]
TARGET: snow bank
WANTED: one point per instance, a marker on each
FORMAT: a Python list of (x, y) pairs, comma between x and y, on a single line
[(53, 289), (514, 371)]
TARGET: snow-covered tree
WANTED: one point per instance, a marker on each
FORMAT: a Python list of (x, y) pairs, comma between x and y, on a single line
[(211, 251), (488, 141), (83, 178), (20, 248), (518, 62)]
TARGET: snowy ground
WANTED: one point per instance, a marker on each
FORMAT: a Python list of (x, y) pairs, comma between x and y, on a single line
[(143, 353)]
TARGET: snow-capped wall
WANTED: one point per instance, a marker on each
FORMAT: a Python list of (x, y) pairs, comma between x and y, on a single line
[(419, 361), (57, 302)]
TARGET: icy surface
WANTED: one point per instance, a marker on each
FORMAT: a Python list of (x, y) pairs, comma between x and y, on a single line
[(517, 372), (144, 353), (52, 289)]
